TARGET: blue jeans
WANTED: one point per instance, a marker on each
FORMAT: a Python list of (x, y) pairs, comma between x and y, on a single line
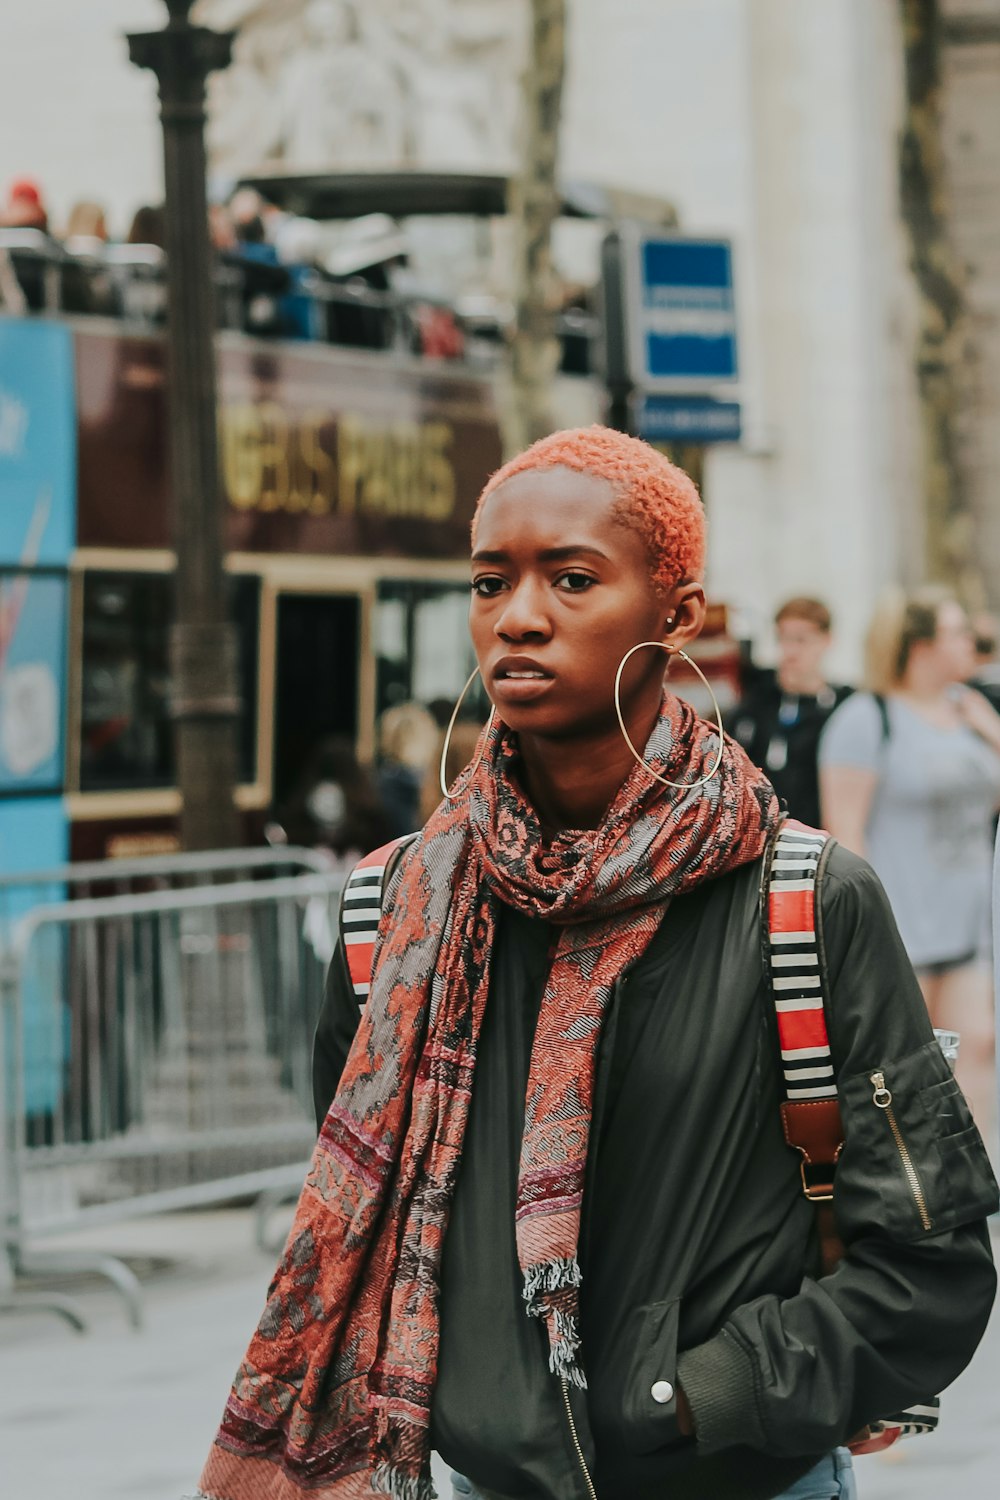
[(831, 1479)]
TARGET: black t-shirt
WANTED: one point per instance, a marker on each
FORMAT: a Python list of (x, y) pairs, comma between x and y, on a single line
[(780, 733)]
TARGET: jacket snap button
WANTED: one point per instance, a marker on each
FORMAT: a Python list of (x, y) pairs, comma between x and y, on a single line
[(662, 1391)]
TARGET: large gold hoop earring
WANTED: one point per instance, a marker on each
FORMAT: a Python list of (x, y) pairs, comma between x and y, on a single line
[(685, 786), (448, 733)]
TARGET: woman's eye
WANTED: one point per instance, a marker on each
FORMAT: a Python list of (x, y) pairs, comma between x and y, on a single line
[(575, 583), (488, 586)]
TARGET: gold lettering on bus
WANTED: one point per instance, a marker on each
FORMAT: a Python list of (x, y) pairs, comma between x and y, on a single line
[(240, 456), (274, 457), (316, 465), (272, 462)]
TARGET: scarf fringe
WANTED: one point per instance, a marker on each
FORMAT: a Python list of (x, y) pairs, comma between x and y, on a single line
[(547, 1277), (392, 1481), (564, 1342)]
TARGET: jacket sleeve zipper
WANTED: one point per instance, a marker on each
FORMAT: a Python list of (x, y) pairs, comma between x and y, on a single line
[(882, 1099), (576, 1440)]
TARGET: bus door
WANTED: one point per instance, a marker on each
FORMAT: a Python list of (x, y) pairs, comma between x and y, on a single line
[(318, 649)]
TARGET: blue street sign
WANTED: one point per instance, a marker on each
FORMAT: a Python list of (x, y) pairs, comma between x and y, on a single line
[(687, 419), (680, 312)]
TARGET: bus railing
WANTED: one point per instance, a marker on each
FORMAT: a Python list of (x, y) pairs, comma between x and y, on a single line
[(154, 1055), (273, 301)]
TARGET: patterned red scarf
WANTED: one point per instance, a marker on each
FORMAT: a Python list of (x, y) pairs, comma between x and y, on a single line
[(333, 1397)]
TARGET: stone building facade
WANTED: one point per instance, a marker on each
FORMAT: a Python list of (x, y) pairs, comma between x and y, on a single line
[(771, 121)]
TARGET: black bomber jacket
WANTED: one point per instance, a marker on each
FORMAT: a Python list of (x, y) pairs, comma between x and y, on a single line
[(699, 1253)]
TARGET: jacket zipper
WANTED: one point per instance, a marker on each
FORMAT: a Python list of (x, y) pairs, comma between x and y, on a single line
[(882, 1099), (576, 1440)]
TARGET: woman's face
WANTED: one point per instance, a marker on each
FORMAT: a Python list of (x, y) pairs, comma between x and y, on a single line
[(953, 643), (560, 591)]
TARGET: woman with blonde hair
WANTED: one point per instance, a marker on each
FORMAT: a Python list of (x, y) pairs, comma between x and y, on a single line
[(910, 778)]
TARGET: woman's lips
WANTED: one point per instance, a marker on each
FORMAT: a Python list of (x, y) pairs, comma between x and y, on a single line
[(521, 684)]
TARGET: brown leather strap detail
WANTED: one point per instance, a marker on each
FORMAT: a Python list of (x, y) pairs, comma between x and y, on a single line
[(814, 1127), (831, 1246)]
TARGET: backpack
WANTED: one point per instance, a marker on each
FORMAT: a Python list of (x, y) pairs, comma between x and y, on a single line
[(793, 961), (810, 1113)]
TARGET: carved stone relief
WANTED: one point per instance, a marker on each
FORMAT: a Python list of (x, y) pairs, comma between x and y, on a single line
[(337, 84)]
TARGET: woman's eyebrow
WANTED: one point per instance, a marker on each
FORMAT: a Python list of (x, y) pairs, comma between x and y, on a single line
[(548, 554)]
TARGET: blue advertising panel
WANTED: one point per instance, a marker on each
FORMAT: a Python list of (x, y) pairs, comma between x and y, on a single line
[(32, 681), (681, 313), (687, 419), (34, 836), (37, 443)]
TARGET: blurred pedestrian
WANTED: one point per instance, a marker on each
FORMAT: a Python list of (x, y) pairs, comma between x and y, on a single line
[(986, 639), (552, 1228), (407, 737), (780, 718), (335, 804), (461, 747), (910, 778)]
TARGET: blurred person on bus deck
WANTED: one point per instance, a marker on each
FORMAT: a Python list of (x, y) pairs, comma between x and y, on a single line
[(148, 226), (408, 739), (24, 206), (86, 221), (910, 780), (782, 713)]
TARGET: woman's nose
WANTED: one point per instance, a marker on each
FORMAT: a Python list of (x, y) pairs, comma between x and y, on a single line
[(523, 614)]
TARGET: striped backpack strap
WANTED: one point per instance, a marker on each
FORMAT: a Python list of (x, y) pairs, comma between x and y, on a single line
[(361, 910), (810, 1112)]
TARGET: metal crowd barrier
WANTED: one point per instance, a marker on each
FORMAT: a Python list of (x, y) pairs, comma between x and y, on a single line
[(162, 872), (155, 1055)]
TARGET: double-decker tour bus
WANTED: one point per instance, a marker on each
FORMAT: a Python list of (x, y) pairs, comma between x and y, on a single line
[(358, 420)]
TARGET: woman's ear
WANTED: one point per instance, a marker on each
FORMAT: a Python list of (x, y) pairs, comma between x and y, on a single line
[(685, 613)]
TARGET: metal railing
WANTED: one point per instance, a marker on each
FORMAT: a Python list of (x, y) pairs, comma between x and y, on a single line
[(21, 891), (155, 1055)]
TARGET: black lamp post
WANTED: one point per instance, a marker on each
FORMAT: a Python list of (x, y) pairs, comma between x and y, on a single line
[(203, 648)]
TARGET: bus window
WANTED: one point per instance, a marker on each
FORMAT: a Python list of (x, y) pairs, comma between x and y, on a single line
[(422, 642), (126, 741)]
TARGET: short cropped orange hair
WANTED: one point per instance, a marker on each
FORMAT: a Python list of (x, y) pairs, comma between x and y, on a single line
[(653, 496)]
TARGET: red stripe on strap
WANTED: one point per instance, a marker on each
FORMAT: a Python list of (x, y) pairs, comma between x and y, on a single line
[(791, 911), (360, 957), (802, 1028), (378, 859)]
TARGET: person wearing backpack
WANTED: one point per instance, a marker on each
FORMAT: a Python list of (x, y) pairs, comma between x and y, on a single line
[(782, 712), (553, 1228), (910, 778)]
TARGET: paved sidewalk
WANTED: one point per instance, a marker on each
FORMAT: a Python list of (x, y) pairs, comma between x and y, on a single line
[(120, 1415)]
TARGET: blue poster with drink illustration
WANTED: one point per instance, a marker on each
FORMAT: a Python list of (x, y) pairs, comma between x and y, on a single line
[(37, 535), (37, 443), (32, 681), (37, 528)]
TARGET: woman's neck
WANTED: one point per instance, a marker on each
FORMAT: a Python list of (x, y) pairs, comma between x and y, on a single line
[(927, 696), (571, 783), (923, 684)]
